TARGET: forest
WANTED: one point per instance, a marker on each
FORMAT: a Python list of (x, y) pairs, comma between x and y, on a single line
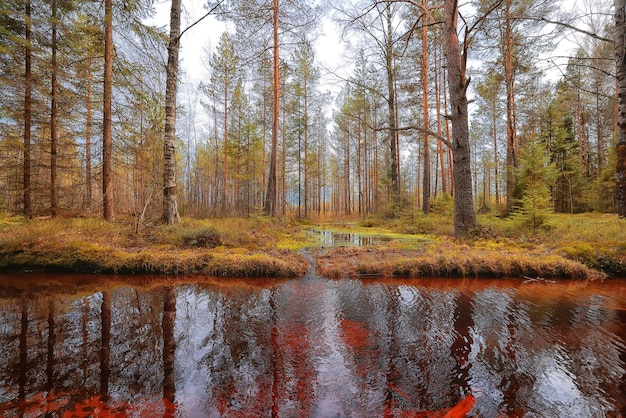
[(473, 106)]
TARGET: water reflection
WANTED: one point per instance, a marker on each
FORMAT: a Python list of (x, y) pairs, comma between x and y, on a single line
[(328, 238), (311, 347)]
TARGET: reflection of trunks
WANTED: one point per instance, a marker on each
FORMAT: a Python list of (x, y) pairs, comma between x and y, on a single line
[(311, 347), (340, 239)]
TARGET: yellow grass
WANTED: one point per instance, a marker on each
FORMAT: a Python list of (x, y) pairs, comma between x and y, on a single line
[(570, 246)]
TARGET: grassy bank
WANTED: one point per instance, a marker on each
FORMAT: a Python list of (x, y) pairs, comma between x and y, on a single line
[(221, 247), (568, 246)]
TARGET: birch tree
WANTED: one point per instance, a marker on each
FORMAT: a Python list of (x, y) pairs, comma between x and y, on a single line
[(170, 206)]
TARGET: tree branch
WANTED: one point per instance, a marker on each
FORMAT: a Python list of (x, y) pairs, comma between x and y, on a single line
[(572, 27), (202, 18), (419, 129)]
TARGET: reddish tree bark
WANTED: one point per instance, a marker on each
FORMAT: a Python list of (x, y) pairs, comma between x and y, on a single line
[(271, 197)]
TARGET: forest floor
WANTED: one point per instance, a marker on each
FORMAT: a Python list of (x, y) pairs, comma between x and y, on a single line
[(567, 246)]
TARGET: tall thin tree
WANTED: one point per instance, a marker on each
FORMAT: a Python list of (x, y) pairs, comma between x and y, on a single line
[(107, 140), (27, 107), (271, 197), (620, 58), (53, 113), (425, 92), (170, 207)]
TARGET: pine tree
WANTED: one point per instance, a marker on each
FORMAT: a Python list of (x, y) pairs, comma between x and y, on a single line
[(534, 177)]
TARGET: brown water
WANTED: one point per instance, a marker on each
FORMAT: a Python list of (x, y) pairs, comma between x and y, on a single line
[(97, 346)]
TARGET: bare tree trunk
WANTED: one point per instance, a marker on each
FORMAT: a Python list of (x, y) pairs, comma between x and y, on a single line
[(440, 151), (464, 216), (620, 57), (495, 152), (170, 207), (511, 123), (224, 197), (28, 211), (346, 176), (306, 150), (53, 116), (391, 101), (426, 179), (359, 169), (88, 139), (107, 142), (271, 197)]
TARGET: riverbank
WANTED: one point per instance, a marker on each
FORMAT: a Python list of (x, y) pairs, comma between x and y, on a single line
[(571, 246)]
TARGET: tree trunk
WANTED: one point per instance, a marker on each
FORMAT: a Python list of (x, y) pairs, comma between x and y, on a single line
[(464, 216), (620, 57), (495, 151), (511, 124), (27, 109), (440, 151), (88, 140), (170, 207), (224, 197), (53, 116), (271, 197), (424, 64), (391, 101), (107, 142)]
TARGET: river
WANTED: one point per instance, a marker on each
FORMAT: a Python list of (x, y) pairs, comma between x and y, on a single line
[(91, 345)]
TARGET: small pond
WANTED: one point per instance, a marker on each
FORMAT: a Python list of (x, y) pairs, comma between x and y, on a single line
[(90, 345)]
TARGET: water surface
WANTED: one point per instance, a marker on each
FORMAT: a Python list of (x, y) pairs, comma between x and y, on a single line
[(189, 347)]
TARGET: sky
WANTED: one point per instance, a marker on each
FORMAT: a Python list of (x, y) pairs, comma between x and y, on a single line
[(200, 41)]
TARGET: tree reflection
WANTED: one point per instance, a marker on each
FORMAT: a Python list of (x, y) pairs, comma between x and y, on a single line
[(105, 343), (313, 347), (169, 348), (23, 364)]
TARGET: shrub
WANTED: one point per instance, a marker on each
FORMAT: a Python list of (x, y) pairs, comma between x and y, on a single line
[(205, 238)]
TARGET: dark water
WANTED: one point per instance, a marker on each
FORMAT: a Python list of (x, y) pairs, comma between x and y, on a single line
[(89, 346)]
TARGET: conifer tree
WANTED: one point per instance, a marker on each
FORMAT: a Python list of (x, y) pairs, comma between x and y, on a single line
[(534, 177)]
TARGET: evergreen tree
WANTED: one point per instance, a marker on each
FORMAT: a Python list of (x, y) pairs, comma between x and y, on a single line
[(534, 177)]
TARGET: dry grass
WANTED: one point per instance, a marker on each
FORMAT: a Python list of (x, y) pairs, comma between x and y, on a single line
[(447, 261), (570, 246), (244, 247)]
